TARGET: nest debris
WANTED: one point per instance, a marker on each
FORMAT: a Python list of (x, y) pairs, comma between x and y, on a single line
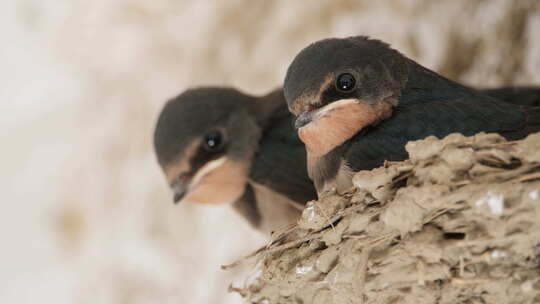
[(458, 222)]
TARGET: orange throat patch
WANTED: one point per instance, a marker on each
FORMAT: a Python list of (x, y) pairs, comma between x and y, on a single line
[(339, 121), (223, 184)]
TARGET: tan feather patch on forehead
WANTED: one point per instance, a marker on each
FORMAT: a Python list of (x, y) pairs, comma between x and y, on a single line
[(304, 102)]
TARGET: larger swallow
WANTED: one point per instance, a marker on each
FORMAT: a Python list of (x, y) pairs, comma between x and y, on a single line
[(220, 146), (358, 102)]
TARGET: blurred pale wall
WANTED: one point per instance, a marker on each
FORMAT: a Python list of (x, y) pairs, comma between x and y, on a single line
[(86, 215)]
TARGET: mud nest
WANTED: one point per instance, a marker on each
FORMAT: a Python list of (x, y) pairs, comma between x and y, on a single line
[(459, 222)]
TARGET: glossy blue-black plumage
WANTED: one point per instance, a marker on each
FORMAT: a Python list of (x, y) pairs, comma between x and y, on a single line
[(280, 162), (438, 117), (422, 103)]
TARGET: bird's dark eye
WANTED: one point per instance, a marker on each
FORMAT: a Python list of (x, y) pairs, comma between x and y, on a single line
[(213, 141), (345, 82)]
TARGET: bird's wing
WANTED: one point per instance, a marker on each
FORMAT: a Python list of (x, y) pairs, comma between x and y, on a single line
[(246, 206), (468, 116), (280, 163), (525, 96)]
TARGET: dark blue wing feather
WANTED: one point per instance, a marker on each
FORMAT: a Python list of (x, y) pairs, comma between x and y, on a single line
[(280, 163), (413, 121)]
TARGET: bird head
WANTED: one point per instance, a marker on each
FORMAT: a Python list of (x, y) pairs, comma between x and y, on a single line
[(204, 141), (336, 87)]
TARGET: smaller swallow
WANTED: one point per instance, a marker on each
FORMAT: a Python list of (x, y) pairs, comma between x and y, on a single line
[(220, 146), (358, 102)]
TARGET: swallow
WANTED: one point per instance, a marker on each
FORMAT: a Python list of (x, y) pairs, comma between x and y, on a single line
[(202, 130), (221, 146), (357, 103)]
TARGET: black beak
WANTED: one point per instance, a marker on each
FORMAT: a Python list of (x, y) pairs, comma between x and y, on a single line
[(303, 119), (179, 191)]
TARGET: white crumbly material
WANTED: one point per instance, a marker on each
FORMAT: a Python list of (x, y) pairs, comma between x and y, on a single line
[(494, 201)]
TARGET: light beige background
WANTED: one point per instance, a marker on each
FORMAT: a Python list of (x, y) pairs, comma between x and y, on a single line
[(86, 215)]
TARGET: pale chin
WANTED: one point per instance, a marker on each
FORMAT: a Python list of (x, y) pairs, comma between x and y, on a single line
[(208, 195), (320, 141), (339, 121), (221, 181)]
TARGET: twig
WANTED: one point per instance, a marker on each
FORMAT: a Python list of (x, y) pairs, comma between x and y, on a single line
[(326, 217), (421, 267), (402, 177), (355, 237), (459, 281), (270, 249), (528, 177), (242, 259), (282, 235), (361, 273), (238, 290), (292, 243)]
